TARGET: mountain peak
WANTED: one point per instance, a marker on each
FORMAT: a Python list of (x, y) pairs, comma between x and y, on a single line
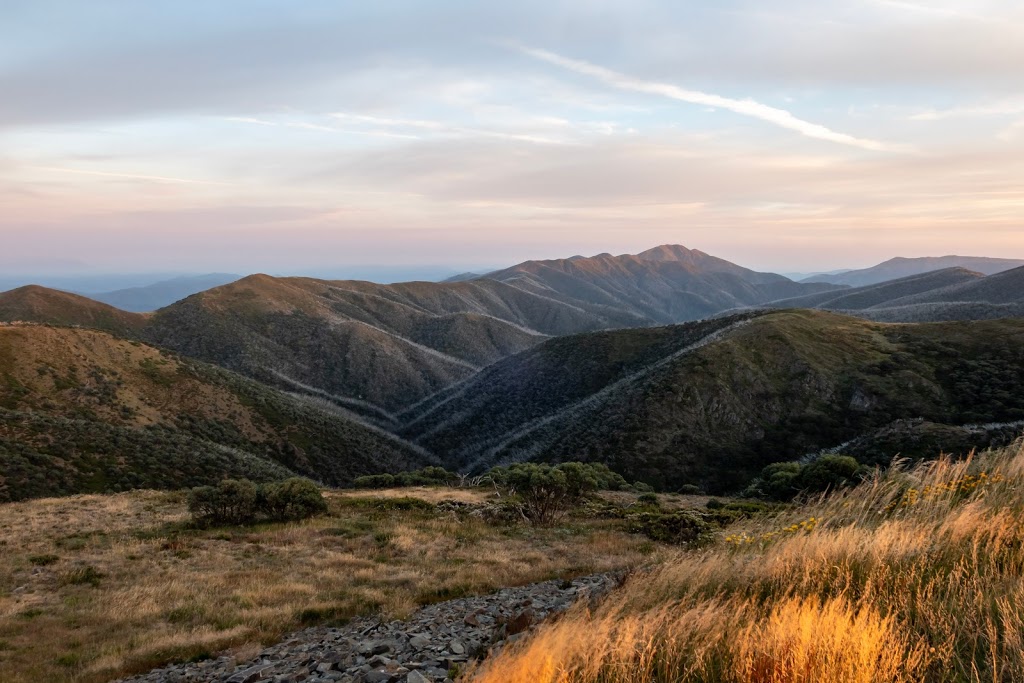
[(669, 252)]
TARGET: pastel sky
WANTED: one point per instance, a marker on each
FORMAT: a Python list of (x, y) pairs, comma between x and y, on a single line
[(274, 135)]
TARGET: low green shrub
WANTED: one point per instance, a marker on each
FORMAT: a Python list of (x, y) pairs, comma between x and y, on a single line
[(680, 527), (427, 476), (545, 492), (291, 499), (240, 501), (785, 480)]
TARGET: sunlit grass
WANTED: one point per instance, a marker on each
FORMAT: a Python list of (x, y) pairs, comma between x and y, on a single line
[(914, 576), (94, 587)]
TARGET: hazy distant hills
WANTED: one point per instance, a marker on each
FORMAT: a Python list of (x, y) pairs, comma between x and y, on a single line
[(712, 402), (163, 293), (943, 295), (81, 410), (39, 304), (904, 267)]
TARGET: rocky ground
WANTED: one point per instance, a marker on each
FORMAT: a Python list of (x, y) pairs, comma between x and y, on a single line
[(434, 644)]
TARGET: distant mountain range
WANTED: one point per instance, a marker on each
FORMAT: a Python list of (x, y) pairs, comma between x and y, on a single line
[(942, 295), (671, 365), (904, 267), (163, 293)]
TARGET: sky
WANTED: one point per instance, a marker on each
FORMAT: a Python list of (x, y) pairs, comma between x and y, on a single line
[(259, 135)]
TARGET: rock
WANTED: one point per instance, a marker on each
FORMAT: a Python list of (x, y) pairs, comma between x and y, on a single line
[(419, 642), (521, 622), (356, 652), (253, 673)]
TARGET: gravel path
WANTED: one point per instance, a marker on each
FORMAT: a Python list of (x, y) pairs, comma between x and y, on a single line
[(431, 645)]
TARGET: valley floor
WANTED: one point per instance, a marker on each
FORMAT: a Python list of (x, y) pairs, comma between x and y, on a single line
[(97, 587)]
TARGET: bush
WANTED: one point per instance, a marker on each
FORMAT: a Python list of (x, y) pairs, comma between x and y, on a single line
[(374, 481), (428, 476), (784, 480), (294, 498), (239, 501), (648, 499), (547, 491), (829, 472), (232, 501), (679, 527)]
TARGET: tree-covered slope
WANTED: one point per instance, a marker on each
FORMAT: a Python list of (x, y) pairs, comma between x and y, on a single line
[(712, 403)]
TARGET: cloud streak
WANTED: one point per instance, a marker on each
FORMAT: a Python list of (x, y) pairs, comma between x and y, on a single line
[(129, 176), (745, 107)]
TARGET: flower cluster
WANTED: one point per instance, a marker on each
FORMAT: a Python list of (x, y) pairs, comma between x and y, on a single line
[(744, 538), (962, 486)]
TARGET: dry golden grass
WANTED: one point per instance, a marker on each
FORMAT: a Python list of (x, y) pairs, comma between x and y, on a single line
[(913, 576), (94, 587)]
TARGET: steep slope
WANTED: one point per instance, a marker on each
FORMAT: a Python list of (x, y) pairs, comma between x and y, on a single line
[(164, 293), (81, 410), (883, 294), (373, 347), (903, 267), (32, 303), (712, 402)]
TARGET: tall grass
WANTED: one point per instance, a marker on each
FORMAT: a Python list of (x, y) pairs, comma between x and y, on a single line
[(915, 575)]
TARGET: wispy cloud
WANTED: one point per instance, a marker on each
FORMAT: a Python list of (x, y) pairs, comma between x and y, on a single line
[(746, 107), (306, 125), (1001, 108), (130, 176), (447, 129)]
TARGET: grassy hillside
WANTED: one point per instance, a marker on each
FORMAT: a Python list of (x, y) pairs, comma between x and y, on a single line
[(42, 305), (913, 576), (81, 410), (712, 403)]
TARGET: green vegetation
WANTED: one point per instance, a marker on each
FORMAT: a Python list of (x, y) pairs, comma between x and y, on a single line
[(427, 476), (913, 575), (785, 480), (240, 501), (97, 567), (547, 492), (84, 412), (776, 387)]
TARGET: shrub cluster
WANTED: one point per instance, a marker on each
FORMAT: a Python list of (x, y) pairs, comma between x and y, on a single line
[(428, 476), (545, 491), (240, 501), (784, 480)]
